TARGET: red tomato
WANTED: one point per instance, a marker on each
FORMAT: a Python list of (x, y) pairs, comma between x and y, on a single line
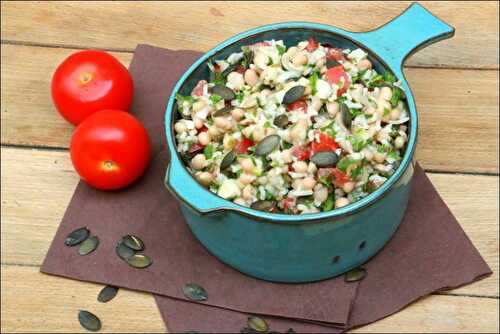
[(334, 75), (110, 149), (301, 152), (89, 81), (335, 54), (311, 44), (339, 177), (299, 104), (196, 147), (202, 129), (198, 89), (240, 69), (243, 145), (326, 143)]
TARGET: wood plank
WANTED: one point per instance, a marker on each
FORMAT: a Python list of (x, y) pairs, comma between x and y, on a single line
[(34, 302), (37, 186), (125, 24), (452, 105)]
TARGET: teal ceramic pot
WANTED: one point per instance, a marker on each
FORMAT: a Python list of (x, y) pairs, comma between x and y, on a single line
[(310, 247)]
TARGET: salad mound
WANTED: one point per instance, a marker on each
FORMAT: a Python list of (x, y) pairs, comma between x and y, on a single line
[(296, 130)]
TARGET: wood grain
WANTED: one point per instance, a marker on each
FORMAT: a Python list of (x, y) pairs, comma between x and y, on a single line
[(34, 302), (453, 105), (202, 25), (32, 208)]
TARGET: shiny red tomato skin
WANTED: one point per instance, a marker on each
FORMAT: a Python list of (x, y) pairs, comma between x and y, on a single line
[(334, 75), (326, 143), (110, 149), (339, 178), (243, 145), (311, 44), (335, 54), (89, 81), (297, 105), (301, 152)]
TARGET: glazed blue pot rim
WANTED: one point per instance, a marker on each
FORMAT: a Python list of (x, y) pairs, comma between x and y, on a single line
[(223, 204)]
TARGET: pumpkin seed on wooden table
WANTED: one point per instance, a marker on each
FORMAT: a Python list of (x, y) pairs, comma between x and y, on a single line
[(139, 261), (263, 205), (226, 93), (267, 145), (133, 242), (89, 321), (124, 252), (107, 293), (76, 237), (89, 245), (258, 324), (293, 94), (355, 275), (325, 159), (194, 292)]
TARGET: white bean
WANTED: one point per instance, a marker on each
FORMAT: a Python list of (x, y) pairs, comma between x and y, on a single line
[(308, 183), (341, 201), (379, 157), (198, 161), (399, 142), (198, 105), (299, 60), (248, 192), (237, 114), (299, 166), (320, 194), (251, 77), (235, 80), (364, 64), (385, 93), (332, 108), (247, 165), (246, 178), (204, 138), (221, 122), (180, 127), (205, 178), (198, 123), (240, 201), (348, 187)]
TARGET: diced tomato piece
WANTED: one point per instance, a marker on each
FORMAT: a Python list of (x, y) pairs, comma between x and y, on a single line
[(202, 129), (256, 45), (200, 86), (311, 44), (301, 152), (288, 203), (196, 147), (339, 178), (334, 54), (297, 105), (243, 145), (334, 75), (326, 143), (240, 69)]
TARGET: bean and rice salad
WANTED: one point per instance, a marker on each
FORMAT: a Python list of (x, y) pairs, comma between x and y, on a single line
[(295, 130)]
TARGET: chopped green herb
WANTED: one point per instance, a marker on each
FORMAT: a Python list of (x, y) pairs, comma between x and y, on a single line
[(328, 204), (182, 98), (286, 145), (269, 61), (325, 181), (394, 155), (269, 196), (356, 172), (267, 124), (281, 49), (357, 143), (240, 96), (397, 94), (313, 79), (208, 151), (356, 112), (383, 148), (344, 163), (215, 98), (389, 78), (386, 112)]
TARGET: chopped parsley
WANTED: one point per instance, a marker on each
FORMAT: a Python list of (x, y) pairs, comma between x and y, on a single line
[(344, 163), (324, 180), (215, 98), (182, 98), (386, 112), (313, 79), (208, 151), (328, 204), (394, 155), (240, 96), (357, 143), (397, 94), (356, 171), (281, 49)]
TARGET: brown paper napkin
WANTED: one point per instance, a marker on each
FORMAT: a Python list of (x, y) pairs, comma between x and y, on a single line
[(407, 269)]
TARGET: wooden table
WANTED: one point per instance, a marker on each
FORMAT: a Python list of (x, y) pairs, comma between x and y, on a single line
[(455, 85)]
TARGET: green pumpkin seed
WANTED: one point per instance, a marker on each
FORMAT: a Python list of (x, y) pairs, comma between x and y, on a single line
[(332, 63), (76, 237), (133, 242), (257, 324), (89, 321), (222, 112), (293, 94), (325, 159), (267, 145), (346, 115), (194, 292), (228, 160), (139, 261), (124, 252), (281, 121), (355, 275), (263, 205), (89, 245), (226, 93), (107, 293)]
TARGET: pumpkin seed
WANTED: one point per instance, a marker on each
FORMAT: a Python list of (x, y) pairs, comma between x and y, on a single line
[(355, 275), (257, 324), (133, 242), (222, 112), (89, 321), (226, 93), (346, 115), (194, 292), (267, 145), (293, 94), (107, 293), (76, 237), (281, 121), (325, 159), (332, 63), (139, 261), (228, 160), (124, 252), (263, 205), (89, 245)]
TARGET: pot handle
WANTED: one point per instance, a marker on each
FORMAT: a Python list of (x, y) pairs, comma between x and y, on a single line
[(414, 29), (183, 186)]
